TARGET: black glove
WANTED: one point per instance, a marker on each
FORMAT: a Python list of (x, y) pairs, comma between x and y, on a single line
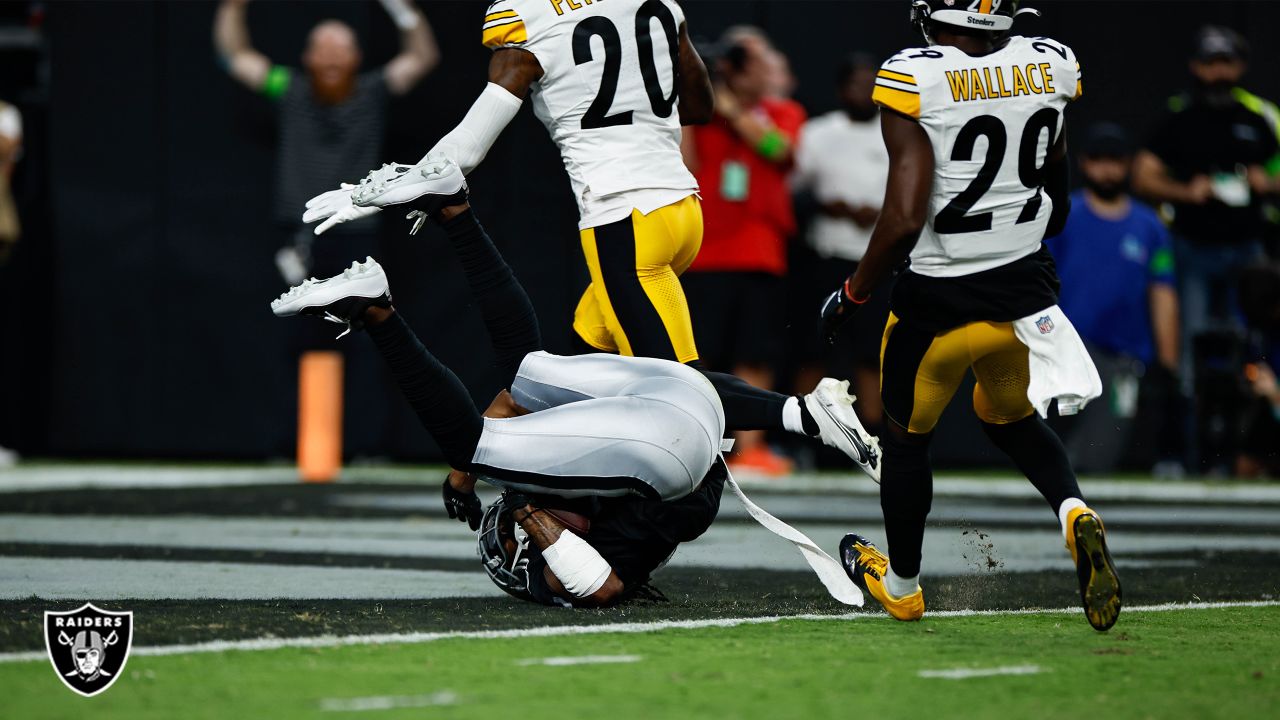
[(465, 507), (836, 311)]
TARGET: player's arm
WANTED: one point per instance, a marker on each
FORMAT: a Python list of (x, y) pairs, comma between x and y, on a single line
[(575, 570), (419, 53), (902, 217), (697, 98), (512, 72), (906, 203), (231, 38), (1057, 185)]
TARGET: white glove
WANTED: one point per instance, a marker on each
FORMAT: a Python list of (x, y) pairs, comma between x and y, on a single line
[(335, 205)]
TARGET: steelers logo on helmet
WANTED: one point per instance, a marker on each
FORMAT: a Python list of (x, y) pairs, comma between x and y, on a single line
[(994, 16)]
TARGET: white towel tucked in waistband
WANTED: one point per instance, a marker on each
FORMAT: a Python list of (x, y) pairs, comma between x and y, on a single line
[(1060, 365)]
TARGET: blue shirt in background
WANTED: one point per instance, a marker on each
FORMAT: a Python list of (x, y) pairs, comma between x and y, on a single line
[(1107, 267)]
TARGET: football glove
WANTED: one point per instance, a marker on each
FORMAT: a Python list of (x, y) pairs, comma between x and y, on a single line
[(836, 310), (335, 207), (463, 507)]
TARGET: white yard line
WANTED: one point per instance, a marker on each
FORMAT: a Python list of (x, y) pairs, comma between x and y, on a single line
[(966, 673), (328, 641), (580, 660), (388, 702), (73, 476)]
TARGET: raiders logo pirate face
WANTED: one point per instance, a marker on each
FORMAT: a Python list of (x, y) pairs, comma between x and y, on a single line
[(88, 646)]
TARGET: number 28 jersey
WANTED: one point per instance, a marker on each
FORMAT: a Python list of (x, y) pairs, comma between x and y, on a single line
[(992, 121), (608, 96)]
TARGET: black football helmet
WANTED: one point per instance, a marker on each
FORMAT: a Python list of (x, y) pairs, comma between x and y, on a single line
[(995, 16), (504, 548)]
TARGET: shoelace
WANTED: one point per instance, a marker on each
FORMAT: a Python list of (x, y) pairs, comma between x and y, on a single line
[(872, 559)]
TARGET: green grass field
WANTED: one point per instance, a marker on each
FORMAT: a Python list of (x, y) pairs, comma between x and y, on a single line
[(1176, 664)]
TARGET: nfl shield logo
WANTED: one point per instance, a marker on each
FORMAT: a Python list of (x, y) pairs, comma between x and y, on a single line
[(1045, 324), (88, 647)]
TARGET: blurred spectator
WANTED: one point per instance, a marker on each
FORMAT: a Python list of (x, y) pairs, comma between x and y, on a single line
[(842, 163), (10, 228), (735, 286), (10, 150), (1259, 452), (1207, 158), (1115, 260), (331, 119)]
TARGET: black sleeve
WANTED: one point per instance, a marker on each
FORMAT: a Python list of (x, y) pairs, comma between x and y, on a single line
[(1269, 144), (1163, 142)]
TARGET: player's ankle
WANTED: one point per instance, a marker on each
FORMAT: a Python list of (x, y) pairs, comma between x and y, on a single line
[(797, 419), (453, 211), (374, 315), (900, 587)]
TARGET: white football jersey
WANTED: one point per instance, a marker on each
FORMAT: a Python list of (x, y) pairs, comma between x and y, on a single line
[(608, 96), (991, 120)]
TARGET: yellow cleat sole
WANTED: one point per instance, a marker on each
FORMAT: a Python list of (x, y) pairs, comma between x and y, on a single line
[(1099, 584)]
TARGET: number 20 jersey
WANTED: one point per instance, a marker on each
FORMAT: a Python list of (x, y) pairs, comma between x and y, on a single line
[(608, 96), (991, 120)]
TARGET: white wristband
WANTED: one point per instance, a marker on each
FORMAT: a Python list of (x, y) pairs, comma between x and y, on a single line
[(576, 564)]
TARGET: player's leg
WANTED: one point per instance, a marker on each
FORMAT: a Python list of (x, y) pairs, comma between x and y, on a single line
[(658, 443), (505, 306), (360, 297), (920, 374), (1008, 419), (545, 380), (635, 285)]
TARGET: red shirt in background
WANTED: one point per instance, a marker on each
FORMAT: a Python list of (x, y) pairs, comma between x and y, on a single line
[(746, 200)]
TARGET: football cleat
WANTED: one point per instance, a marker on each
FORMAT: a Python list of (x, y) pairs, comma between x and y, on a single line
[(1099, 583), (425, 188), (341, 299), (867, 566), (831, 406)]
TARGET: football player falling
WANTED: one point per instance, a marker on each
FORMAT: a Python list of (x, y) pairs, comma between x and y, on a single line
[(978, 178), (613, 83)]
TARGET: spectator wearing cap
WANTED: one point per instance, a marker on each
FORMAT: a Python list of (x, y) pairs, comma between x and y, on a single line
[(1116, 263), (1207, 159), (841, 169)]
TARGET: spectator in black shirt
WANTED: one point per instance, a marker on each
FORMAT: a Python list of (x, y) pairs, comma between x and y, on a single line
[(331, 117), (1206, 159)]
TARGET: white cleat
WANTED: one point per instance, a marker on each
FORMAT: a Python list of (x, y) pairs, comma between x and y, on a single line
[(831, 406), (341, 299), (432, 184)]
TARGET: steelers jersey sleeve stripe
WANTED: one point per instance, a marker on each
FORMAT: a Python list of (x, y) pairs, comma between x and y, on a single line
[(500, 16), (505, 32), (906, 102), (897, 85), (1079, 84), (900, 77)]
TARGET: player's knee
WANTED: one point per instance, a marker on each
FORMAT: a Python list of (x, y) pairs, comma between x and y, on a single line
[(1000, 409)]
